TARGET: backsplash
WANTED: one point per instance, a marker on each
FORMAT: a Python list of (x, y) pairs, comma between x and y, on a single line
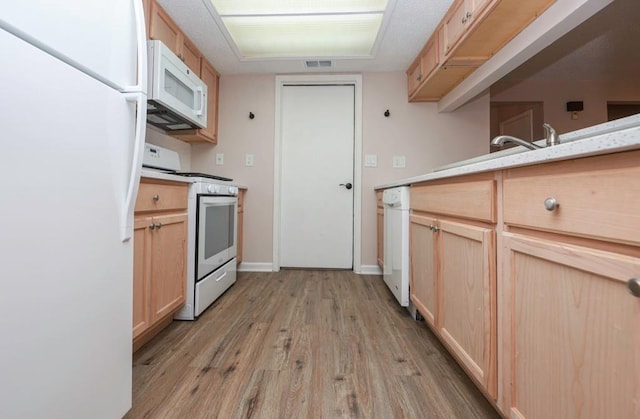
[(158, 137)]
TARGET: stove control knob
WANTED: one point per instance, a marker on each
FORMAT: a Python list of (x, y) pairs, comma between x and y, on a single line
[(233, 190), (212, 188)]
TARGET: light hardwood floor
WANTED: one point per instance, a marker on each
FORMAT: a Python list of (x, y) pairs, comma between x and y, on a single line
[(302, 344)]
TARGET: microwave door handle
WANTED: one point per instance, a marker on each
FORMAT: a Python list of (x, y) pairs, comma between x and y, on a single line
[(201, 109)]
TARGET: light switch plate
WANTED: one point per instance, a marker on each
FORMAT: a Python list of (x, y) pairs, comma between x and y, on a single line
[(370, 160), (248, 160), (219, 159), (399, 162)]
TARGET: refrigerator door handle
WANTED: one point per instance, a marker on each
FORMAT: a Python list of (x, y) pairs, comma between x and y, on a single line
[(136, 162), (141, 40)]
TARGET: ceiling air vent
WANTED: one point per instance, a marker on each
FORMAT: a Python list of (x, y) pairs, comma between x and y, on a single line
[(318, 63)]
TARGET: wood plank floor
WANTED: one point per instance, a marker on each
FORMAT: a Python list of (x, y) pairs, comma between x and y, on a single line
[(302, 344)]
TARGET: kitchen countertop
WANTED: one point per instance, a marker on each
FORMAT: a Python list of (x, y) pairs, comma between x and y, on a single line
[(152, 174), (610, 137)]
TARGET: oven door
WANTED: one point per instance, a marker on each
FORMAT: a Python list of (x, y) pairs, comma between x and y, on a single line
[(216, 232)]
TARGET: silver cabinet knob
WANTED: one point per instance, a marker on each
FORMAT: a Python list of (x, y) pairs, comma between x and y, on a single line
[(551, 204), (158, 226), (152, 227), (433, 228), (633, 285), (156, 197)]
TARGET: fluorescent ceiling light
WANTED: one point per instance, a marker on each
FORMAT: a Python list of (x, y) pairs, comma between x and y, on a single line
[(294, 28), (279, 7)]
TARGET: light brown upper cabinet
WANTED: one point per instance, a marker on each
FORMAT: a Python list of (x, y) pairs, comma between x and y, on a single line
[(163, 28), (160, 26), (468, 35)]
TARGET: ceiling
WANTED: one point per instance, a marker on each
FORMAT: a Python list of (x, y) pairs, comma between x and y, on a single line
[(605, 47), (408, 28)]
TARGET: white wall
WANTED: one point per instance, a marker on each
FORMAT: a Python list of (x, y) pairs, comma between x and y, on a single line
[(556, 93), (427, 139)]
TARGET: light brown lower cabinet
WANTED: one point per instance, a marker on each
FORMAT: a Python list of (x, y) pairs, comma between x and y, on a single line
[(576, 331), (453, 286), (160, 254), (423, 266), (453, 270), (467, 299), (553, 331), (240, 228), (380, 229), (572, 328)]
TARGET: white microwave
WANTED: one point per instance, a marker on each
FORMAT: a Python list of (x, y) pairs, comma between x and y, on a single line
[(177, 98)]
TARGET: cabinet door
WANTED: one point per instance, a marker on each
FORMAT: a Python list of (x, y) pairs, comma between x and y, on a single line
[(430, 57), (575, 331), (141, 271), (164, 29), (456, 24), (209, 75), (414, 76), (467, 299), (240, 227), (380, 217), (191, 56), (423, 266), (168, 264)]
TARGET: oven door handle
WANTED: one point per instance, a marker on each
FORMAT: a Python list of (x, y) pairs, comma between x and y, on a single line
[(222, 276)]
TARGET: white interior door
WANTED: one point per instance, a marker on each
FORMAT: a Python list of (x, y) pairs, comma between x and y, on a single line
[(317, 131)]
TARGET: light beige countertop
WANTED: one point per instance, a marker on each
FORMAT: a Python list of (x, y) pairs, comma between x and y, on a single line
[(152, 174), (610, 137)]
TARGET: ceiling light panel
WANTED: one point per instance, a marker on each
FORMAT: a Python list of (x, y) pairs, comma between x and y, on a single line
[(278, 7), (267, 29), (304, 36)]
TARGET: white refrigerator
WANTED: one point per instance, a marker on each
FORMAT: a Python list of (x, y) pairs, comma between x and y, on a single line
[(72, 125)]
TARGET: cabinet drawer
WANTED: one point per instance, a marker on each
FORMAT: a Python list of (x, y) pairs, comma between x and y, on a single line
[(473, 199), (161, 197), (597, 197)]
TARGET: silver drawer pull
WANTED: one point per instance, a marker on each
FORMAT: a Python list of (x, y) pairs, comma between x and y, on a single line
[(156, 197), (633, 285), (551, 204)]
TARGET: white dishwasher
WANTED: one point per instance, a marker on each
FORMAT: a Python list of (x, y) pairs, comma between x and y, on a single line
[(396, 242)]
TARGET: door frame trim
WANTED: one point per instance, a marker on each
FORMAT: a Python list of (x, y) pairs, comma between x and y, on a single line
[(328, 79)]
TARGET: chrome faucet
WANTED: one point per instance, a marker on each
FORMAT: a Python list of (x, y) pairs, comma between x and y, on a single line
[(549, 133)]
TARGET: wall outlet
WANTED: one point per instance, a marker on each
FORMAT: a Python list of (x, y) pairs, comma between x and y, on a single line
[(370, 160), (399, 162), (219, 159), (248, 160)]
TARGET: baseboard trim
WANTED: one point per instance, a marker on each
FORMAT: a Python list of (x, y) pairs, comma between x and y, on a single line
[(370, 270), (255, 267)]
